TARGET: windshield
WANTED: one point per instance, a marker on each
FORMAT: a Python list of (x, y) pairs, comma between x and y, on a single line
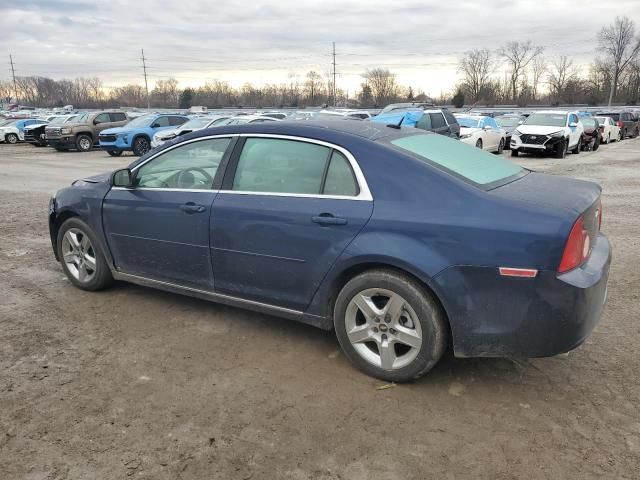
[(143, 121), (508, 121), (468, 122), (464, 161), (547, 119), (195, 124)]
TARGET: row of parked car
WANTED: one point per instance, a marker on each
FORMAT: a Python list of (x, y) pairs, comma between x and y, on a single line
[(552, 132)]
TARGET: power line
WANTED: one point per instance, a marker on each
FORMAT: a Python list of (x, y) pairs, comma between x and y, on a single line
[(146, 85), (13, 73), (334, 74)]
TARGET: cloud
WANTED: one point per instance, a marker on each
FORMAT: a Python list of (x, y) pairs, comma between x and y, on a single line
[(268, 41)]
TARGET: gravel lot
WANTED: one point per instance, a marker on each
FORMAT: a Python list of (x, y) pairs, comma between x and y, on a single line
[(137, 383)]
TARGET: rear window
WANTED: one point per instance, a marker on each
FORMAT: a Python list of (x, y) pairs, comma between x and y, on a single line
[(462, 160), (614, 116)]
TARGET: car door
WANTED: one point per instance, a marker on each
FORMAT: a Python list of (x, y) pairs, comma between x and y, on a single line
[(159, 229), (102, 122), (287, 210), (574, 132)]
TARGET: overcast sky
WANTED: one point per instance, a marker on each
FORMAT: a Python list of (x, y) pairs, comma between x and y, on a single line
[(271, 41)]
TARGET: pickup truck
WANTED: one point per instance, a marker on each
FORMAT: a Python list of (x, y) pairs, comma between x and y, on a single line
[(83, 133)]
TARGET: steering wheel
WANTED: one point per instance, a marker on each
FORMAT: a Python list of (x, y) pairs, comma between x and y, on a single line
[(183, 178)]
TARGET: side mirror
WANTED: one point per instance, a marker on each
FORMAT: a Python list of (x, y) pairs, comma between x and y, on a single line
[(573, 124), (122, 178), (155, 125)]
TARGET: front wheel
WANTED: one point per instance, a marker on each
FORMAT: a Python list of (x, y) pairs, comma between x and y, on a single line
[(596, 144), (141, 146), (11, 138), (114, 153), (514, 152), (501, 146), (479, 143), (389, 326), (81, 257), (84, 143), (561, 149)]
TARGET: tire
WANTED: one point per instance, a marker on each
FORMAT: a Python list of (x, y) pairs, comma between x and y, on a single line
[(636, 133), (84, 143), (620, 137), (576, 149), (608, 138), (596, 144), (479, 143), (114, 153), (82, 260), (501, 146), (11, 138), (514, 153), (561, 149), (419, 321), (141, 146)]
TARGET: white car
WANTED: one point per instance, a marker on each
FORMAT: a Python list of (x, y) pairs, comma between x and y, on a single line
[(242, 119), (192, 125), (12, 131), (609, 129), (342, 113), (482, 132), (548, 132)]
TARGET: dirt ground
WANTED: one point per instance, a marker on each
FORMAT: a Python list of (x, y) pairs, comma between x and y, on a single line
[(137, 383)]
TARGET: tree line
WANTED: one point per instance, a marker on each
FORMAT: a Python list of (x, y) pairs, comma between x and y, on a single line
[(530, 77)]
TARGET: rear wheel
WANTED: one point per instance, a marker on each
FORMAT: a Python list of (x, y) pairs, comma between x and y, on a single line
[(81, 258), (141, 146), (11, 138), (114, 153), (501, 146), (576, 149), (636, 133), (479, 143), (84, 143), (389, 326), (608, 138), (596, 143), (620, 136)]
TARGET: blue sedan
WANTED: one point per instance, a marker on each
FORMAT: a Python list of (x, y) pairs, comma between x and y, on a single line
[(402, 241)]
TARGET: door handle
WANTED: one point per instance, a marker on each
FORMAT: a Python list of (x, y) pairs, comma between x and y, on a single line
[(191, 207), (328, 219)]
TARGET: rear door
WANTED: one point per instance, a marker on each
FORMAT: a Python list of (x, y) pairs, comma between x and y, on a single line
[(118, 119), (287, 210), (160, 228)]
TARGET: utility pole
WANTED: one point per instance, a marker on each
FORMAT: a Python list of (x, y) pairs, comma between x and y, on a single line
[(13, 73), (334, 74), (146, 84)]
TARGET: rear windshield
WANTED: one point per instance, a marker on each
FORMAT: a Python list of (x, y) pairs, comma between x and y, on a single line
[(508, 121), (614, 116), (464, 161)]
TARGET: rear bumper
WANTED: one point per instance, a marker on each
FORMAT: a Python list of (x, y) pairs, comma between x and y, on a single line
[(493, 315)]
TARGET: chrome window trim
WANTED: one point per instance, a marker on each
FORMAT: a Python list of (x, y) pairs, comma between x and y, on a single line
[(363, 195), (363, 186), (137, 189)]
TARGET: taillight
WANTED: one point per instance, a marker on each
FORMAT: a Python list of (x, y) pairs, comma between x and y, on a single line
[(576, 250), (620, 123)]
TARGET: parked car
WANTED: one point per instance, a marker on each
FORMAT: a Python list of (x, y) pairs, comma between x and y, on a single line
[(276, 115), (35, 134), (435, 120), (609, 129), (302, 220), (192, 125), (591, 137), (13, 130), (627, 121), (406, 106), (548, 132), (341, 113), (509, 122), (84, 132), (482, 132), (242, 119), (136, 135)]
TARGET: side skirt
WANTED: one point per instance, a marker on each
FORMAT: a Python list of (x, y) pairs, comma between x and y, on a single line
[(297, 315)]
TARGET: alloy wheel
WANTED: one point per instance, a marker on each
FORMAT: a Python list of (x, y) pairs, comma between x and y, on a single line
[(84, 143), (79, 255), (12, 138), (383, 328)]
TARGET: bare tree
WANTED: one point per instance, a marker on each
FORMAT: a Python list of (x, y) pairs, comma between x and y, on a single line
[(518, 56), (477, 67), (621, 47), (561, 74), (313, 85), (539, 67), (382, 84)]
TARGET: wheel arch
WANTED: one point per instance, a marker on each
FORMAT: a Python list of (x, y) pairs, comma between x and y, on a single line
[(56, 219), (89, 133)]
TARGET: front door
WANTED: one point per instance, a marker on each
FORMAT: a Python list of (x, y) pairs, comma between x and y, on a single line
[(160, 228), (287, 210)]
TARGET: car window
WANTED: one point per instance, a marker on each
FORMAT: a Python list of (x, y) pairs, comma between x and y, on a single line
[(340, 179), (573, 118), (437, 120), (176, 121), (280, 166), (424, 122), (449, 117), (118, 117), (160, 122), (102, 118), (458, 158), (190, 166)]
